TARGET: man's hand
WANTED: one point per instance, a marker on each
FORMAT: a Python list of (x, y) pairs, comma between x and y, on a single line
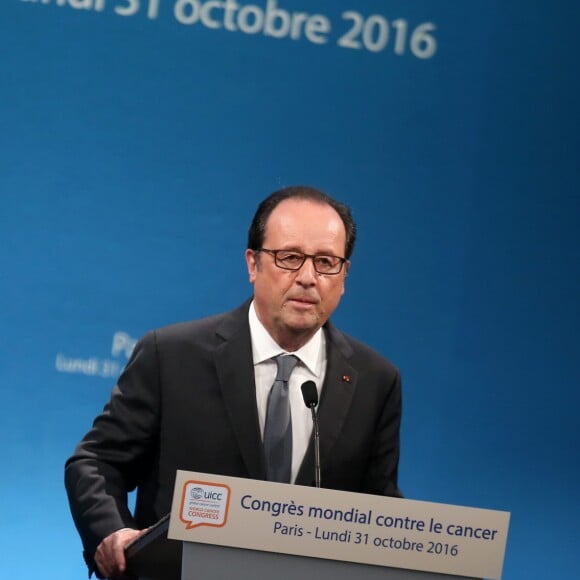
[(110, 554)]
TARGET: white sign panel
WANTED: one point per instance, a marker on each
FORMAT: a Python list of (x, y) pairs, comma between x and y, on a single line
[(337, 525)]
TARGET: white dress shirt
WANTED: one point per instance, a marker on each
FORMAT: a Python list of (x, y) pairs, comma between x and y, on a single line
[(311, 367)]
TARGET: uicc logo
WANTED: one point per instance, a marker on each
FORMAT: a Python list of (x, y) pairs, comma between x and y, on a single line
[(204, 503), (199, 493)]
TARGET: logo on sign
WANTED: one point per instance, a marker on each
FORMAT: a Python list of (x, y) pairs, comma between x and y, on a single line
[(204, 504), (196, 492)]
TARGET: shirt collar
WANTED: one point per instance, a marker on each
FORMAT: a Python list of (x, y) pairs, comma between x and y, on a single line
[(264, 347)]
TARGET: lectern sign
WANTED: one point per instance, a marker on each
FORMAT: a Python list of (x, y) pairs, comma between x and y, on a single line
[(337, 525)]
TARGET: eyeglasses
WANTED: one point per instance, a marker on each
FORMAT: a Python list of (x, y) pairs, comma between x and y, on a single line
[(292, 260)]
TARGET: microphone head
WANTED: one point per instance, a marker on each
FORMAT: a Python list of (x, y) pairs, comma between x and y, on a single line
[(309, 394)]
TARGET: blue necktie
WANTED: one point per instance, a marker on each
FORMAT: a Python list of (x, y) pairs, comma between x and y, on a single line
[(278, 428)]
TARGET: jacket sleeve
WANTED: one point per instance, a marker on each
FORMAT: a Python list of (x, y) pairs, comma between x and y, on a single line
[(382, 472), (110, 459)]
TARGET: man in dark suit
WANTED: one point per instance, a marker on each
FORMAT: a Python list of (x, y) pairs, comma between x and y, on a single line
[(194, 395)]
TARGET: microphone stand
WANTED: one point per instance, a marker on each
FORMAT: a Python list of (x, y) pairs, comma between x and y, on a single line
[(316, 445)]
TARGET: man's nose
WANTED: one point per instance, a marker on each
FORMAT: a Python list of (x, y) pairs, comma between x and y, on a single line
[(307, 274)]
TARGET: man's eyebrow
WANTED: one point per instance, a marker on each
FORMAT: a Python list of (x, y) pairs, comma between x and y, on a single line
[(318, 253)]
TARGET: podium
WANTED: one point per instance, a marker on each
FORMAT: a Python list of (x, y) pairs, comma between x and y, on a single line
[(224, 527)]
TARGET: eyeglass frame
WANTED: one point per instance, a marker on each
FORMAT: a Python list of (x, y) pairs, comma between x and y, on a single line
[(274, 253)]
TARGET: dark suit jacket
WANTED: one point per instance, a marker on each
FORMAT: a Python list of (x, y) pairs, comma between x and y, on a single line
[(186, 400)]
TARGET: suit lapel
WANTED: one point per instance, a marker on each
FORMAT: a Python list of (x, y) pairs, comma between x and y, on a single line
[(337, 392), (235, 369)]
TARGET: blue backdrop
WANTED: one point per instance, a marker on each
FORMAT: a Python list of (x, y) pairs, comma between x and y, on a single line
[(136, 139)]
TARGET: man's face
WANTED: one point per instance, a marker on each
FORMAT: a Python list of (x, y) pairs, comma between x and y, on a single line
[(293, 305)]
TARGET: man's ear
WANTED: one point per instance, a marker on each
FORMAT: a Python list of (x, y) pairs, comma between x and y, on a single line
[(346, 269), (252, 263)]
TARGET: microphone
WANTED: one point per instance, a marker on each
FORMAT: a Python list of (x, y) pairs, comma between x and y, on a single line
[(310, 396)]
